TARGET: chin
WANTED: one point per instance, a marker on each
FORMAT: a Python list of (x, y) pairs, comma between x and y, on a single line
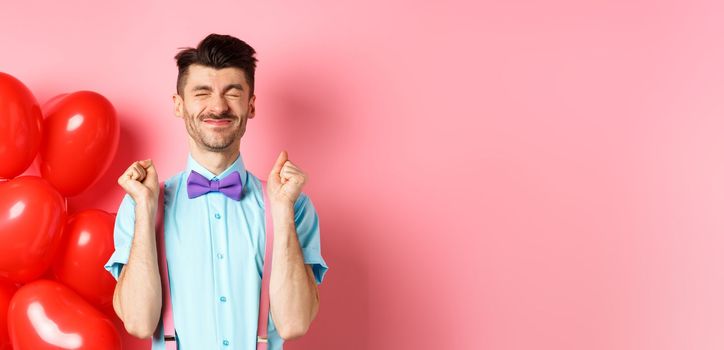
[(218, 147)]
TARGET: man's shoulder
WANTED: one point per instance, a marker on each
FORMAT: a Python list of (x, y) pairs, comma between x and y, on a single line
[(253, 179), (173, 181), (253, 188)]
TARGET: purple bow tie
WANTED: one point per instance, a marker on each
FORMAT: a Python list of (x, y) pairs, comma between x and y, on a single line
[(198, 185)]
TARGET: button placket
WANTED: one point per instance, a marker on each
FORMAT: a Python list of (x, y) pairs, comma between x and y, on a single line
[(220, 236)]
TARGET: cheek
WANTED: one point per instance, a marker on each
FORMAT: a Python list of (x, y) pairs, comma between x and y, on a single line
[(193, 110), (237, 109)]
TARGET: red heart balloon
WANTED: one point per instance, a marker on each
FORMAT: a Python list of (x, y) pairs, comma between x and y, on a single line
[(80, 139), (7, 290), (32, 215), (20, 126), (48, 315), (86, 246)]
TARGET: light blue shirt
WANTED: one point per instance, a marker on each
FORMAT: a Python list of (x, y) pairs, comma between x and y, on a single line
[(215, 253)]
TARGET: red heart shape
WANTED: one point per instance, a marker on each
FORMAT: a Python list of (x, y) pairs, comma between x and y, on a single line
[(86, 246), (48, 315), (32, 215), (7, 290), (80, 139), (20, 126)]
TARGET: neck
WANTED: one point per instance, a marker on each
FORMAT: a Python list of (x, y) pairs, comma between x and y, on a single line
[(215, 162)]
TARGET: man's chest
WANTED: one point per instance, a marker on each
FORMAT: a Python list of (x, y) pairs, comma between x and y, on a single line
[(209, 234)]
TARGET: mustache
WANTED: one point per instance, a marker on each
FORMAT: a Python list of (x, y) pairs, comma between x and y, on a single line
[(225, 115)]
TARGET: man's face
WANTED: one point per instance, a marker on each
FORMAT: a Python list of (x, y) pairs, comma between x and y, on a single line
[(215, 106)]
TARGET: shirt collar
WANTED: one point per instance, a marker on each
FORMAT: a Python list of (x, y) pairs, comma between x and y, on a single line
[(237, 165)]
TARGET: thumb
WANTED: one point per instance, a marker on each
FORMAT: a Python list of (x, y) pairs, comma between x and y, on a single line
[(277, 169), (150, 168), (145, 163)]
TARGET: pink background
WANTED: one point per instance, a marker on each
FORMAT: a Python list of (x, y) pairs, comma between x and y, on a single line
[(489, 175)]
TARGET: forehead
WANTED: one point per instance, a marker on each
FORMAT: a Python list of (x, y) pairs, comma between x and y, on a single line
[(215, 78)]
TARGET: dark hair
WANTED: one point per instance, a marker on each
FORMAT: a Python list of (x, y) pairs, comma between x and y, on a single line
[(217, 51)]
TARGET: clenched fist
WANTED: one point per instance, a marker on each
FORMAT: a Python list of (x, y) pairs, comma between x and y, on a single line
[(285, 181), (140, 181)]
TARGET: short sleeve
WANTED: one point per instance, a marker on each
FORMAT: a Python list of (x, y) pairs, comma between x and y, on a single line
[(307, 223), (122, 236)]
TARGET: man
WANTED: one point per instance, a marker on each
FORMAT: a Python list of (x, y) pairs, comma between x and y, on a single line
[(215, 241)]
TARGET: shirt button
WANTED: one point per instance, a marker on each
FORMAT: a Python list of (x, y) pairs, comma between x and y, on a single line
[(217, 215), (223, 299), (220, 256), (226, 342)]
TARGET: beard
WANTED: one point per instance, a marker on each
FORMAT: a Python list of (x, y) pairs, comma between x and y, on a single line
[(211, 139)]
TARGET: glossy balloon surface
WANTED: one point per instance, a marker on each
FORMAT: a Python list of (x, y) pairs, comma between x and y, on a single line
[(46, 315), (32, 215), (20, 127), (80, 139)]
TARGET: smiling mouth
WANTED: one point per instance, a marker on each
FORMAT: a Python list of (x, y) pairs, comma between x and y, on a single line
[(217, 122)]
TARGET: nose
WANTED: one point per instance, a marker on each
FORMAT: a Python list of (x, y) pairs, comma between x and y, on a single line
[(218, 105)]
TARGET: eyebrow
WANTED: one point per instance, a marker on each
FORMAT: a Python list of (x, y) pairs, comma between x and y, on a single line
[(233, 86), (201, 87), (226, 88)]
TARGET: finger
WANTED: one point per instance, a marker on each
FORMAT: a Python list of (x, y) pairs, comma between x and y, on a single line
[(136, 174), (150, 169), (123, 178), (290, 171), (139, 167), (141, 171), (145, 163), (131, 173), (290, 174), (279, 163), (299, 177), (151, 177), (285, 170), (291, 167), (288, 167)]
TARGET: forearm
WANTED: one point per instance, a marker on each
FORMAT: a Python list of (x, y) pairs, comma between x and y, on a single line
[(293, 290), (137, 297)]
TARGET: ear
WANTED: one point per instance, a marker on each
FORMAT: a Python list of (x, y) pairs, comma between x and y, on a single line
[(252, 107), (178, 105)]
